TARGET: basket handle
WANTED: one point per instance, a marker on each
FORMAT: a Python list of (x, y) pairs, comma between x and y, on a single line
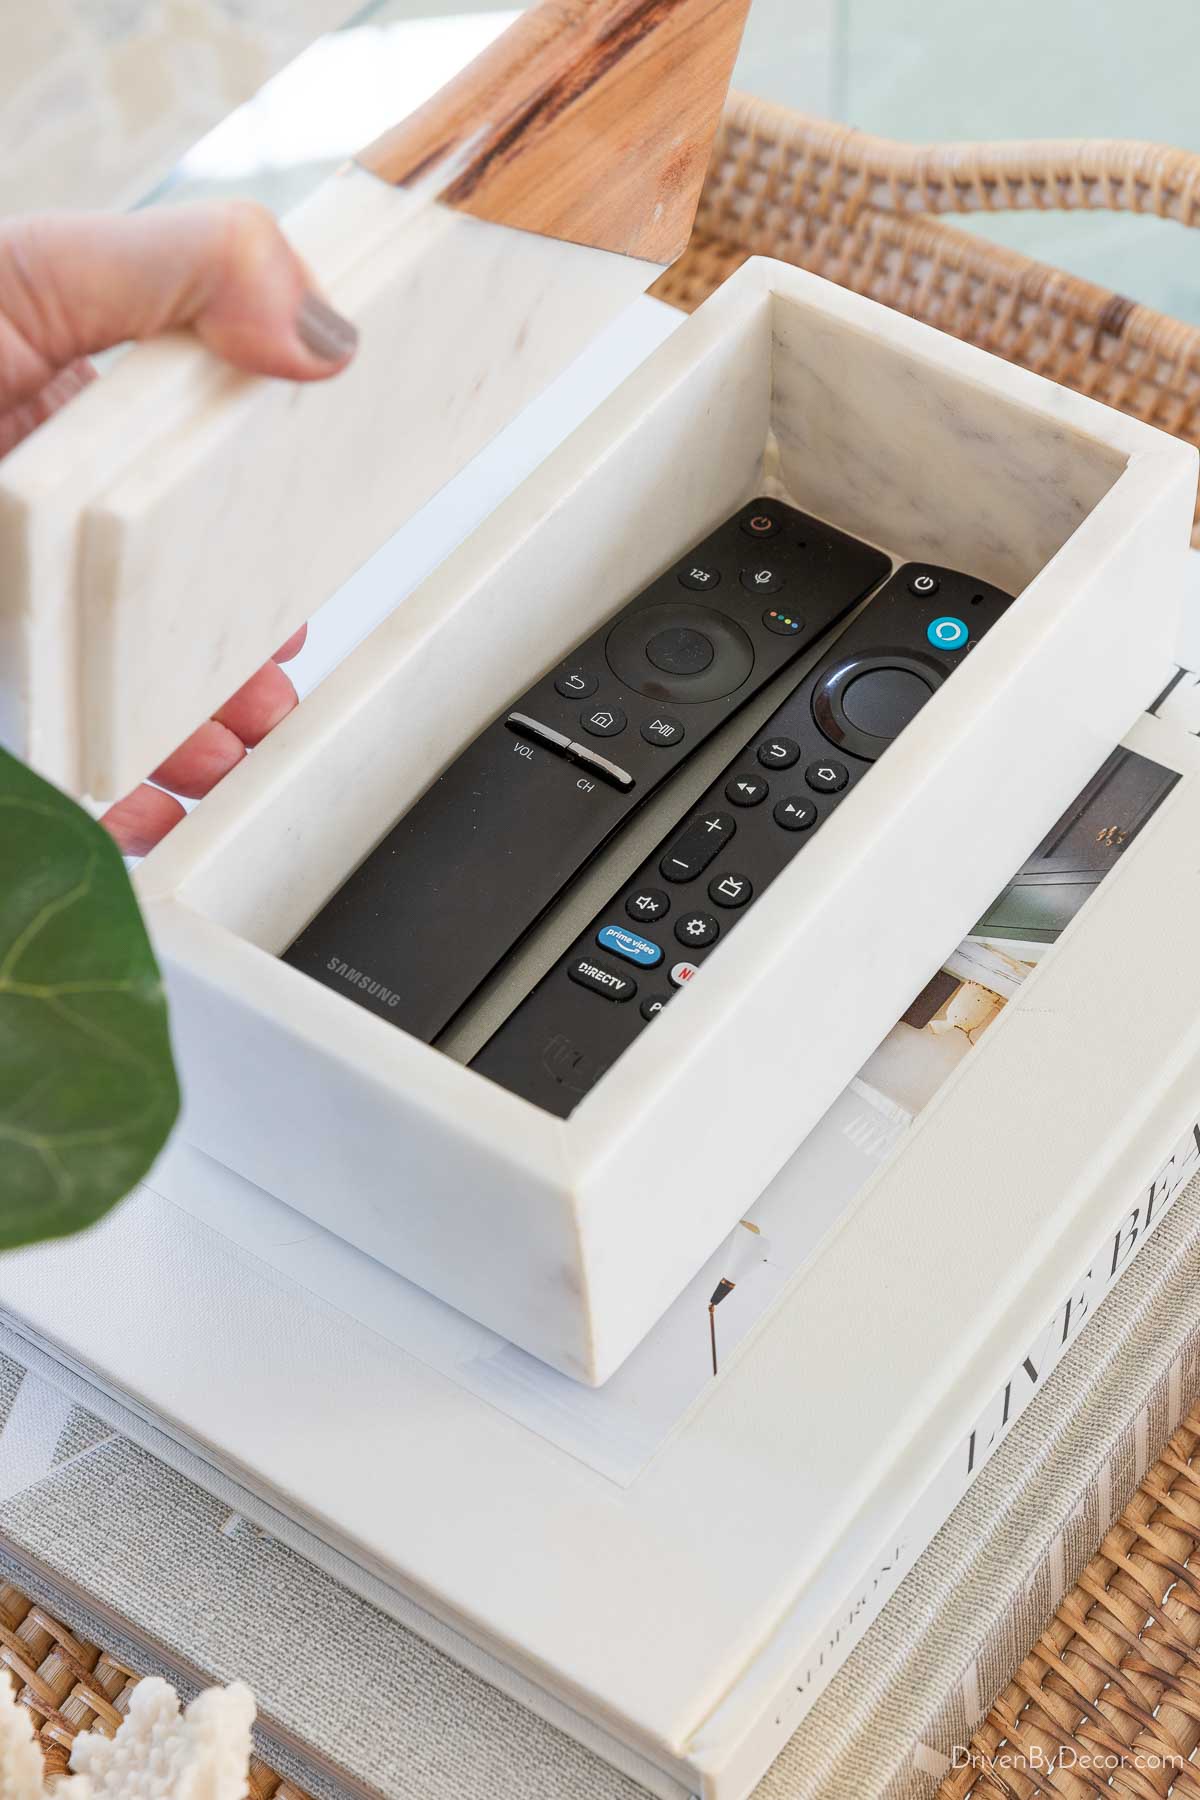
[(1037, 174)]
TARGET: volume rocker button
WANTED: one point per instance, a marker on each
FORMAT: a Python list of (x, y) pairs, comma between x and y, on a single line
[(526, 727), (600, 765)]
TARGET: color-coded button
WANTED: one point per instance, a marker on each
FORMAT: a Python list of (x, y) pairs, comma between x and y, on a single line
[(628, 944), (784, 623), (947, 633)]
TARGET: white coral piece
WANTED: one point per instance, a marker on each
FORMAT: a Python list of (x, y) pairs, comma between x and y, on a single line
[(158, 1752), (22, 1774)]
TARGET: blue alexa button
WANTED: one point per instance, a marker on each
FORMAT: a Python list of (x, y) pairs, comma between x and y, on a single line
[(947, 634), (628, 944)]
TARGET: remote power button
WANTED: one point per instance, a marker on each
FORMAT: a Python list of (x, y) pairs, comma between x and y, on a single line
[(947, 634), (924, 584)]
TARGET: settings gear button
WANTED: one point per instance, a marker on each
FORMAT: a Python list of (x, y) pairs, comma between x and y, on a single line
[(696, 929)]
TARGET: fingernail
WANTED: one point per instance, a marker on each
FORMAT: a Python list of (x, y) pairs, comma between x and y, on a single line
[(323, 331)]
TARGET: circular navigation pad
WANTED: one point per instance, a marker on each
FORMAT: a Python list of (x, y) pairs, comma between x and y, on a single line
[(679, 652), (864, 701)]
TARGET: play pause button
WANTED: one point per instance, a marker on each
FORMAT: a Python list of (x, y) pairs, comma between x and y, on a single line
[(795, 813), (746, 790)]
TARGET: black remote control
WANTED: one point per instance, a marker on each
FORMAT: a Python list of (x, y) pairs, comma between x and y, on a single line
[(458, 882), (658, 930)]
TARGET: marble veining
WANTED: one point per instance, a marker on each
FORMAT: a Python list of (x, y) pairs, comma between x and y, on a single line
[(895, 446), (246, 502)]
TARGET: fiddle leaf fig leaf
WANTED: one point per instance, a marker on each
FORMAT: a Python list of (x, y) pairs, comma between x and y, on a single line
[(87, 1084)]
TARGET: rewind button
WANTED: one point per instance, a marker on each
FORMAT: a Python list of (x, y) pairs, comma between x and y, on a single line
[(746, 790)]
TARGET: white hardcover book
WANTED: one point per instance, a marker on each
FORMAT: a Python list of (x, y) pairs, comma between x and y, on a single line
[(673, 1567), (197, 1585)]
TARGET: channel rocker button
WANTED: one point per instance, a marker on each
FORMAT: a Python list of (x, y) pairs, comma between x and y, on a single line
[(600, 980), (628, 944)]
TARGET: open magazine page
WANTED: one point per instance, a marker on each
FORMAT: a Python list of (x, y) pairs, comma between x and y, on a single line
[(616, 1429)]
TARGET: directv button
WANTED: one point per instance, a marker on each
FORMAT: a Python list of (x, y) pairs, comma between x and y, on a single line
[(600, 980)]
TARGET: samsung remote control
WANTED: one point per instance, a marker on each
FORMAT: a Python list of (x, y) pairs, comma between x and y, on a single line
[(658, 930), (452, 888)]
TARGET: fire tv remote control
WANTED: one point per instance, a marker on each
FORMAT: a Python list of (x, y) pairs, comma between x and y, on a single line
[(470, 868), (658, 930)]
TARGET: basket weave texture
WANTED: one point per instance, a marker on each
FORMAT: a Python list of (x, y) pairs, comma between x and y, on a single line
[(858, 210), (71, 1686), (1108, 1700)]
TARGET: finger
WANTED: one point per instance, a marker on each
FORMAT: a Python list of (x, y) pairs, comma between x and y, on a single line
[(259, 705), (19, 421), (201, 761), (142, 819), (74, 283), (292, 647)]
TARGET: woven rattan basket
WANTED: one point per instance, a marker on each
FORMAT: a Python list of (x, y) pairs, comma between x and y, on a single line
[(856, 209), (69, 1686), (1108, 1700)]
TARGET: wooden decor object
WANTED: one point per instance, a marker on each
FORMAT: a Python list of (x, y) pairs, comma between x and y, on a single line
[(563, 127)]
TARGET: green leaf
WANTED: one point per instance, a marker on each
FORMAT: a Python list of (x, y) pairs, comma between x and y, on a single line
[(87, 1085)]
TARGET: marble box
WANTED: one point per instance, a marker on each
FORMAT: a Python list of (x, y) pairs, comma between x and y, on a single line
[(571, 1238)]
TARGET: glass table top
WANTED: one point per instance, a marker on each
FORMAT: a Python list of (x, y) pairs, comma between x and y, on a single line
[(962, 70)]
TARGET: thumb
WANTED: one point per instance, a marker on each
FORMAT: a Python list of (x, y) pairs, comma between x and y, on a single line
[(74, 283)]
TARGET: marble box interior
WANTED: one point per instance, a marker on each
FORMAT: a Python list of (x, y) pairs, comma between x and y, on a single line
[(845, 423)]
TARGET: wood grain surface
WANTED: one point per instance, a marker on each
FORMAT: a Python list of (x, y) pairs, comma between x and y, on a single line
[(588, 120)]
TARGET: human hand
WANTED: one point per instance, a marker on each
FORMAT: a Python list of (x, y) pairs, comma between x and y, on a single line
[(72, 284)]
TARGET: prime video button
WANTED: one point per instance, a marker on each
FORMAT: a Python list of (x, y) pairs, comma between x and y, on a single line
[(947, 633), (628, 944)]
